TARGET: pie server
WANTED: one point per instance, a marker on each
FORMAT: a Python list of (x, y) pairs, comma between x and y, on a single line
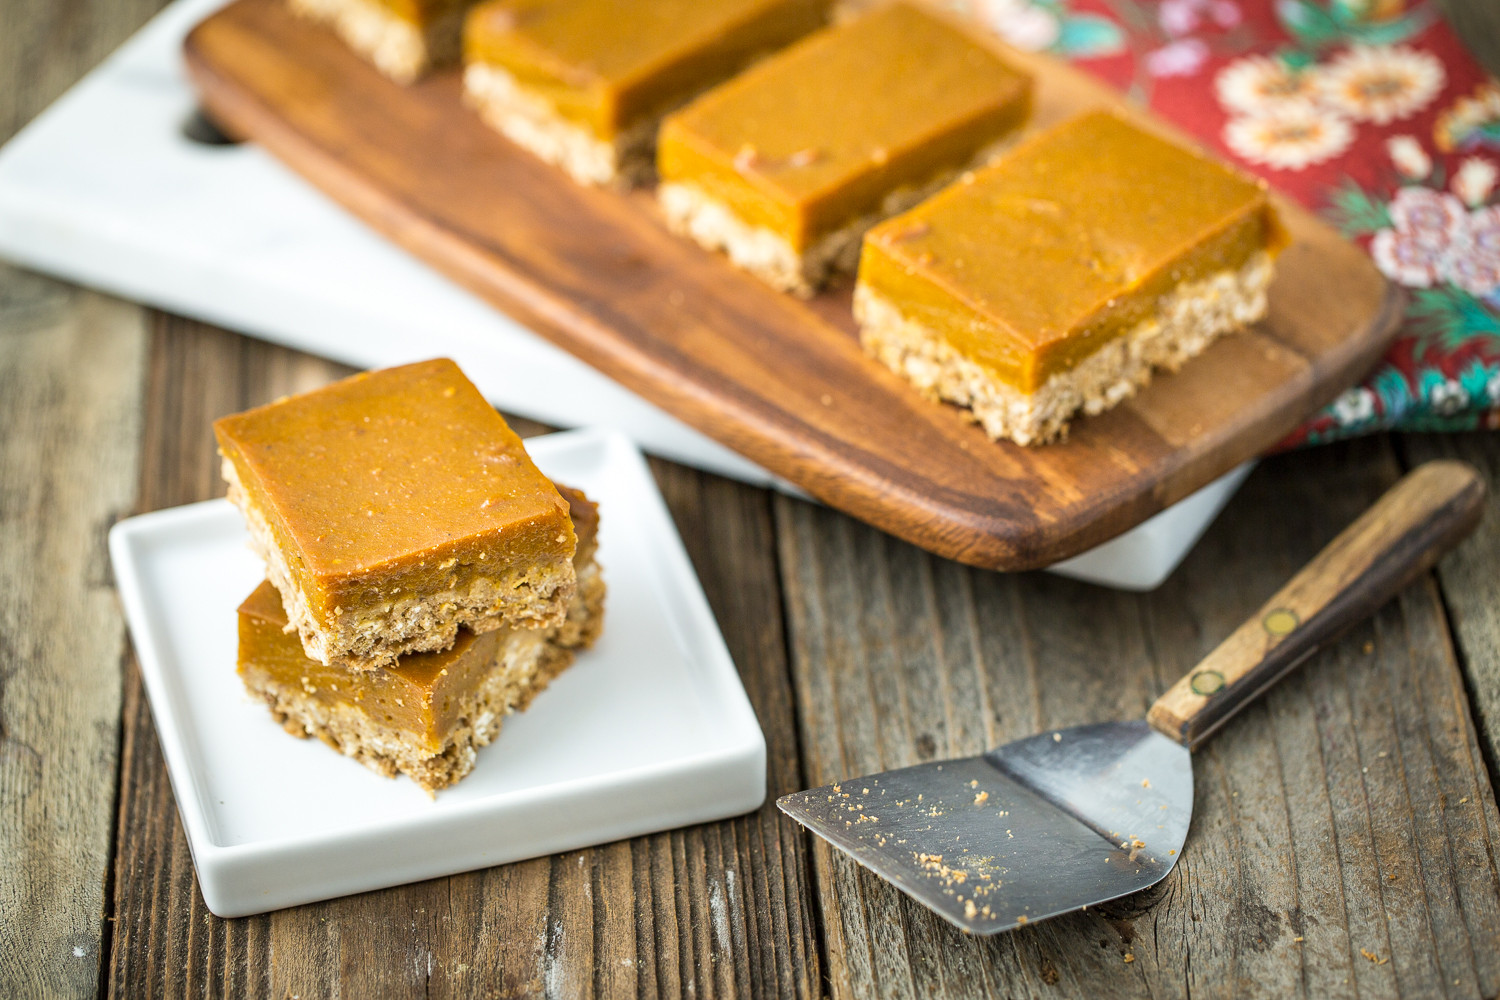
[(1080, 816)]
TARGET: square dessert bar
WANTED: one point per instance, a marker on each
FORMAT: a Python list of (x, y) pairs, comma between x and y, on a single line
[(394, 507), (427, 715), (1056, 279), (583, 83), (786, 166), (402, 38)]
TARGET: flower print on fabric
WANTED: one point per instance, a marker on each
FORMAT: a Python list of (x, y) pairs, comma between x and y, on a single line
[(1180, 58), (1184, 17), (1433, 239), (1293, 136), (1261, 85), (1290, 114), (1355, 406), (1184, 22), (1473, 260), (1447, 397), (1472, 122), (1474, 180), (1409, 157), (1442, 241), (1381, 83)]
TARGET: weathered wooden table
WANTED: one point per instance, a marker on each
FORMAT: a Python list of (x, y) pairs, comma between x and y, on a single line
[(1345, 842)]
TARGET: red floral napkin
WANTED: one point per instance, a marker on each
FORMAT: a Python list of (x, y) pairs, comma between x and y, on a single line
[(1368, 111)]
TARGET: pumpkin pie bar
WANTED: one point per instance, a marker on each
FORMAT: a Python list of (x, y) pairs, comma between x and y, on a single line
[(583, 83), (395, 507), (403, 38), (1058, 278), (786, 166), (427, 715)]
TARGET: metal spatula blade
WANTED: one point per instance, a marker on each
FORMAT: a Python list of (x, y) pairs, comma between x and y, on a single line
[(1108, 805), (1077, 817)]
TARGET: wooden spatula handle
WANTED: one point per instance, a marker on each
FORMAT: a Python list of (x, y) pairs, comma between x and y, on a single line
[(1407, 530)]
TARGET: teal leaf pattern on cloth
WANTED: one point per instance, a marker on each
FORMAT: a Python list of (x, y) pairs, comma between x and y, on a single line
[(1485, 135), (1394, 392), (1087, 36), (1317, 27), (1476, 379), (1446, 318), (1355, 212), (1311, 25)]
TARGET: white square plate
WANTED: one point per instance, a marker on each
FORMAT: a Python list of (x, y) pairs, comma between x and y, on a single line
[(649, 730)]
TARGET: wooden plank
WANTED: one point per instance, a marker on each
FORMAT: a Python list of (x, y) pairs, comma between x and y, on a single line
[(782, 381), (1470, 580), (47, 45), (1349, 812), (70, 380), (164, 938), (718, 909)]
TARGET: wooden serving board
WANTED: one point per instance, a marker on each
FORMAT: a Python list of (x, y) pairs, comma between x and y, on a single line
[(780, 380)]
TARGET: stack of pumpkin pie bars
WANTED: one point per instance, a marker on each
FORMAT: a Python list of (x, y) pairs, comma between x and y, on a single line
[(424, 579)]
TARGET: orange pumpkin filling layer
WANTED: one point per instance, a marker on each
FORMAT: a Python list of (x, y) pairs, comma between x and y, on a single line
[(606, 64), (823, 132), (1032, 264)]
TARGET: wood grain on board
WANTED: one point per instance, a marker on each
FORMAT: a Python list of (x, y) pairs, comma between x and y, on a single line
[(779, 380), (70, 382), (71, 364), (1471, 578)]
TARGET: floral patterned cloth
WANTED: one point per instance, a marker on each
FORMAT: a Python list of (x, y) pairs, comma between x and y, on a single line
[(1368, 111)]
